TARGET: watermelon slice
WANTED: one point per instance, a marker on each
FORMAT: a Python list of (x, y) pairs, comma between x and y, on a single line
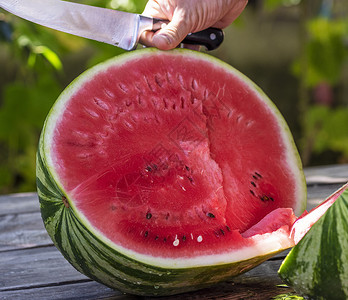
[(164, 172), (317, 266)]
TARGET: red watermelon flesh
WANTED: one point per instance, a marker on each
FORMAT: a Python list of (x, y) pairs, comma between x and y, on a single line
[(173, 156)]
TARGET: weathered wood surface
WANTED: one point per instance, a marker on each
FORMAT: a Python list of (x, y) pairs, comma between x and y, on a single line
[(32, 268)]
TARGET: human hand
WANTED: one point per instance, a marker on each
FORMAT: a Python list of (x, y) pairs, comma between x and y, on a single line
[(187, 16)]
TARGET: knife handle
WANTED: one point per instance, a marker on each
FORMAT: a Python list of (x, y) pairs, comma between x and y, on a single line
[(211, 37)]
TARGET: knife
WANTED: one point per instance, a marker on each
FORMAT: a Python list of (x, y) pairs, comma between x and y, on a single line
[(118, 28)]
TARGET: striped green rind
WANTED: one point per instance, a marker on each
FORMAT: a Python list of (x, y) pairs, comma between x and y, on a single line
[(318, 265), (97, 260)]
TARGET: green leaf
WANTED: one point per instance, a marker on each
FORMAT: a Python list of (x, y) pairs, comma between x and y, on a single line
[(51, 56), (288, 297), (325, 51)]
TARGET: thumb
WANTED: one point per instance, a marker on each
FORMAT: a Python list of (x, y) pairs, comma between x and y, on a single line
[(172, 34)]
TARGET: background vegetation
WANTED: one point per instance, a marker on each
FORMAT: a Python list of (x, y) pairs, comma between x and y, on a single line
[(296, 51)]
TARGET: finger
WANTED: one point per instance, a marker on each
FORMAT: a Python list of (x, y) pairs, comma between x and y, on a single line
[(155, 10), (166, 38), (146, 38), (171, 35)]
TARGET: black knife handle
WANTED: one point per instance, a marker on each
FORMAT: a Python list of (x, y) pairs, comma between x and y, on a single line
[(211, 37)]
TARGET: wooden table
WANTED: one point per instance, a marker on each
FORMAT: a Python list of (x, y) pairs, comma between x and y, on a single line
[(32, 268)]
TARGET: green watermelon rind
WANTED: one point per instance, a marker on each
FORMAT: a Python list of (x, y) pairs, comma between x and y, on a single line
[(99, 258), (317, 266)]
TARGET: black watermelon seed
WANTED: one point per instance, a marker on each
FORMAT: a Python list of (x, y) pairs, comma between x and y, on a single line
[(148, 168), (210, 215), (228, 228), (148, 216), (184, 238), (146, 233), (187, 168), (222, 231), (271, 198), (253, 183), (255, 177), (252, 192), (164, 239), (156, 238), (257, 174)]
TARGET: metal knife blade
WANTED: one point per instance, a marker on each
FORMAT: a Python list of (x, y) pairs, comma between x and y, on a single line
[(118, 28), (110, 26)]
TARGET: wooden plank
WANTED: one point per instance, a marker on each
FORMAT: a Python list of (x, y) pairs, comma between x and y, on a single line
[(318, 193), (327, 174), (19, 203), (23, 230), (77, 290), (28, 268), (21, 225), (93, 290)]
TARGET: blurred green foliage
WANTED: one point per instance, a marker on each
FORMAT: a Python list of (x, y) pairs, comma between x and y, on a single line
[(327, 128), (320, 69), (37, 63), (289, 296), (326, 50), (324, 119)]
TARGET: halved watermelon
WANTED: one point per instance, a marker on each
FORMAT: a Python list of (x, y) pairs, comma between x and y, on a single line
[(164, 172)]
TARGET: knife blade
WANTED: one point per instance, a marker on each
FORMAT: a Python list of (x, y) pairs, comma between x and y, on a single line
[(118, 28)]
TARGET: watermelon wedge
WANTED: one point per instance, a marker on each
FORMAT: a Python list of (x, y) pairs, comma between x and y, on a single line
[(317, 266), (164, 172)]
